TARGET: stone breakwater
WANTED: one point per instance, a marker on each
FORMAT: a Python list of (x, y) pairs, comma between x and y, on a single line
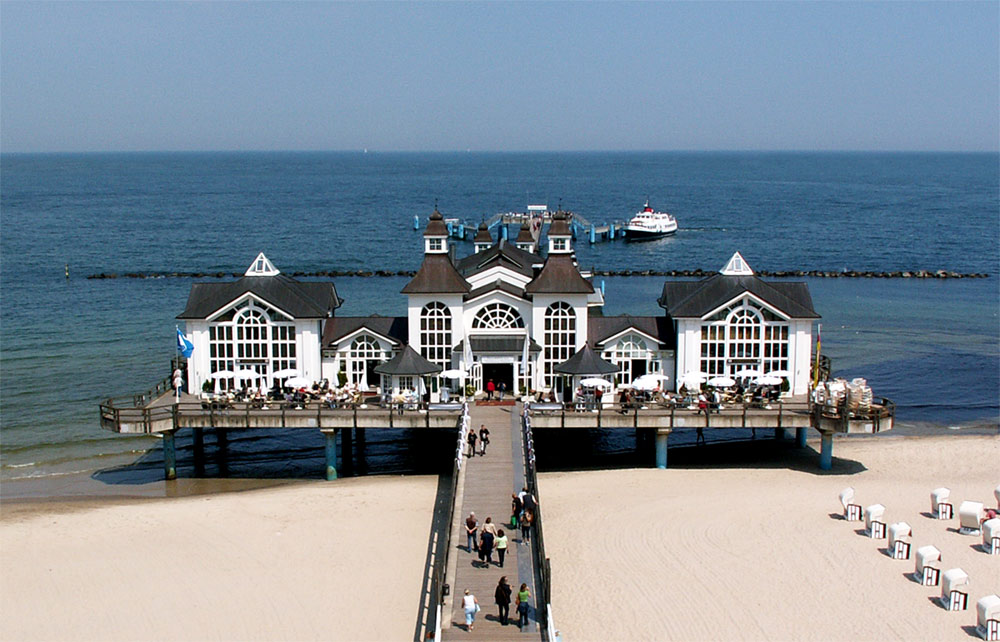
[(825, 274)]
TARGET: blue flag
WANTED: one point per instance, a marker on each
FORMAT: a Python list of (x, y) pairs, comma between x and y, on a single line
[(184, 344)]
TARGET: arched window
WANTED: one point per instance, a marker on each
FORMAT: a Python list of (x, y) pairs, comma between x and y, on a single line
[(251, 338), (435, 333), (632, 358), (497, 316), (362, 358), (744, 336), (559, 337)]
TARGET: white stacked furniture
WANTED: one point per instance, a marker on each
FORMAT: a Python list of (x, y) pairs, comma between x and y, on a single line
[(991, 536), (955, 589), (875, 521), (852, 511), (928, 566), (988, 617), (899, 541), (970, 516), (940, 503)]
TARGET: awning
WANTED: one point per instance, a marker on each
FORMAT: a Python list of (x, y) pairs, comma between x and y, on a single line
[(491, 343), (586, 362), (407, 362)]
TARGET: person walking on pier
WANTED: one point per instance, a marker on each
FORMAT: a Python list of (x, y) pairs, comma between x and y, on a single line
[(502, 388), (471, 527), (490, 388), (472, 443), (484, 439), (515, 510), (526, 519), (502, 598), (523, 596), (486, 539), (501, 547), (471, 606)]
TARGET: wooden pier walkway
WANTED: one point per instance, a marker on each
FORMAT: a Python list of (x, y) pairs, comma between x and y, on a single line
[(489, 482)]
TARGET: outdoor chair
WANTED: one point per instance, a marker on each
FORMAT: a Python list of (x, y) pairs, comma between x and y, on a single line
[(988, 617), (875, 521), (955, 590), (970, 517), (928, 566), (899, 541), (940, 505), (991, 536), (852, 511)]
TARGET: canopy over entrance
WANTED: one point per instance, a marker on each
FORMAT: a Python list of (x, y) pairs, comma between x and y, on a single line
[(408, 362), (586, 362)]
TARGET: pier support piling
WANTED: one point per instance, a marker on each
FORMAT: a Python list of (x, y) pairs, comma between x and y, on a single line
[(661, 449), (826, 451), (331, 453), (800, 437), (198, 448), (169, 455)]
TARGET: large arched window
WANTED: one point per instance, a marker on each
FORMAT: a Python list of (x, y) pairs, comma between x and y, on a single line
[(632, 358), (744, 336), (435, 333), (362, 358), (497, 316), (559, 337), (251, 337)]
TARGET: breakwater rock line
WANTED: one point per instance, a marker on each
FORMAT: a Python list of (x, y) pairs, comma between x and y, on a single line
[(827, 274)]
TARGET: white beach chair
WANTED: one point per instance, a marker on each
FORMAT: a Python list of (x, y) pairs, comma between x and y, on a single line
[(955, 590), (852, 511), (928, 566), (875, 521), (970, 516), (940, 505), (988, 617), (996, 493), (991, 536), (899, 541)]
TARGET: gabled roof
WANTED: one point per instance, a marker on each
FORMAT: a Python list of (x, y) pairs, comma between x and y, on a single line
[(498, 343), (500, 285), (393, 328), (407, 362), (585, 362), (503, 254), (698, 298), (436, 275), (300, 299), (600, 329), (559, 275)]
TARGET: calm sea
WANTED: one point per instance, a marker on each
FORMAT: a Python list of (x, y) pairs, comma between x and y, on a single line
[(929, 345)]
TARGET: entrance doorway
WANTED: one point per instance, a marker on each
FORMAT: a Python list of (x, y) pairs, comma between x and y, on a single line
[(499, 372)]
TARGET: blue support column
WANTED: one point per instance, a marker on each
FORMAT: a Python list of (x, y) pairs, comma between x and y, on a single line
[(461, 230), (800, 437), (593, 234), (503, 231), (416, 222), (611, 232), (826, 451), (169, 455), (450, 233), (661, 450), (331, 454), (602, 287)]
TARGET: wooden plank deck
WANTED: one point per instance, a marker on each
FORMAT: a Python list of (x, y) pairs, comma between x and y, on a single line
[(489, 482)]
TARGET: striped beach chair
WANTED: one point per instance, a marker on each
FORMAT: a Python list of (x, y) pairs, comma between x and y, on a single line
[(955, 590)]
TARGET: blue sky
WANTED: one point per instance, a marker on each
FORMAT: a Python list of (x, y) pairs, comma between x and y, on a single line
[(79, 76)]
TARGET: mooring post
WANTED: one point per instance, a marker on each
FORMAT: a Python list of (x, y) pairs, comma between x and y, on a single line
[(661, 449), (169, 455), (800, 437), (331, 453), (826, 451)]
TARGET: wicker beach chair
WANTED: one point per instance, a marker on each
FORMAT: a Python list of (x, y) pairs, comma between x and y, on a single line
[(991, 536), (940, 503), (875, 521), (928, 566), (988, 617), (955, 589), (899, 540), (852, 511), (970, 516)]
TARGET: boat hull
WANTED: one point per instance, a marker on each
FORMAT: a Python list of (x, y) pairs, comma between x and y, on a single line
[(632, 236)]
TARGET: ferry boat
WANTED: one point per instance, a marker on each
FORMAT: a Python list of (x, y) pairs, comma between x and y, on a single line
[(647, 224)]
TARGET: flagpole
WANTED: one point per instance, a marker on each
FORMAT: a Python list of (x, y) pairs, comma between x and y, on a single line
[(819, 338), (177, 352)]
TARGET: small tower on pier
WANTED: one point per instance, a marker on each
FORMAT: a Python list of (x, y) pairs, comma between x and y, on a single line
[(483, 240)]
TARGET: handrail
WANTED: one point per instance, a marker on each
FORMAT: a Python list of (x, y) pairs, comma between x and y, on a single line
[(441, 562), (544, 597)]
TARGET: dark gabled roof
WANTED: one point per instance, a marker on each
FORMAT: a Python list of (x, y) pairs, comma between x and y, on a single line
[(600, 328), (436, 276), (559, 275), (300, 299), (436, 225), (407, 362), (585, 362), (503, 286), (498, 343), (502, 254), (337, 328), (698, 298)]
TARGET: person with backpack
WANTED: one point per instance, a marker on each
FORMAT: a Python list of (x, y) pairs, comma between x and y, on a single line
[(523, 607)]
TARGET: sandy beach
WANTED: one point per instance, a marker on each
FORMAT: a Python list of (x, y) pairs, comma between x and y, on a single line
[(330, 561), (758, 551)]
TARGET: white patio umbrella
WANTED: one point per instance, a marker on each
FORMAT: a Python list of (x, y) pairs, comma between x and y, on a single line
[(287, 372), (645, 384), (297, 382), (245, 373), (689, 379), (748, 372), (779, 373), (595, 382), (768, 381), (452, 374), (722, 382)]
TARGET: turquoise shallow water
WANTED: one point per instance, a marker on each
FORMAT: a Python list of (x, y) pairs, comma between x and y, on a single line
[(931, 346)]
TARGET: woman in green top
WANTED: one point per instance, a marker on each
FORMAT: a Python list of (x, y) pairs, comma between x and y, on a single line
[(501, 545), (522, 606)]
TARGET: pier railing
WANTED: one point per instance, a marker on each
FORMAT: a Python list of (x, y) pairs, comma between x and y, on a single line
[(880, 412), (544, 597)]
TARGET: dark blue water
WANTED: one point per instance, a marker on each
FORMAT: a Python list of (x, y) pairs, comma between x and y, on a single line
[(931, 346)]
